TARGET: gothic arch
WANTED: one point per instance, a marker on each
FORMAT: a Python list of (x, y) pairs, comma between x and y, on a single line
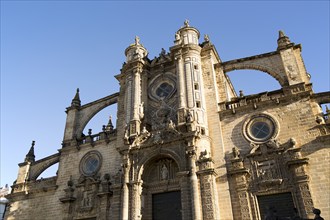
[(227, 67)]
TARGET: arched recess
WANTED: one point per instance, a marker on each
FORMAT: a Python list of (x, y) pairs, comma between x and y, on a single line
[(283, 81), (160, 193), (252, 81), (158, 154)]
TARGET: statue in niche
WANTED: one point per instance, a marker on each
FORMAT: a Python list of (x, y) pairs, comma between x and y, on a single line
[(164, 172)]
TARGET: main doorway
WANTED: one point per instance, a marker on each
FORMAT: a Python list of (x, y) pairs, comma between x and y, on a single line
[(166, 206), (280, 205)]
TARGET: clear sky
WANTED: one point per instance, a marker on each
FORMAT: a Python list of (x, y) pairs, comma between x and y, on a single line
[(50, 48)]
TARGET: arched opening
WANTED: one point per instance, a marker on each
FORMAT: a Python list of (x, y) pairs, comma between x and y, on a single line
[(104, 119), (161, 195), (49, 172), (252, 81)]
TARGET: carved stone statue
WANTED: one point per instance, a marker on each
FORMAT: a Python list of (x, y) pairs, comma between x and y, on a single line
[(236, 152), (189, 117), (177, 36), (164, 173), (186, 23)]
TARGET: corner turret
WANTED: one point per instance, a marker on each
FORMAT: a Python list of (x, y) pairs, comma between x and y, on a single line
[(186, 35), (135, 51)]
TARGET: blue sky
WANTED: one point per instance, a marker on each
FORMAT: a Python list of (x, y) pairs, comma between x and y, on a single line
[(50, 48)]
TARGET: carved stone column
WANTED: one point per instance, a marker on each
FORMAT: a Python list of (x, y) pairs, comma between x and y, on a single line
[(209, 193), (135, 122), (298, 165), (125, 190), (239, 173), (196, 214)]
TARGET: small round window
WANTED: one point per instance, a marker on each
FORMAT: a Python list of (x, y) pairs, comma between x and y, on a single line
[(260, 128), (90, 163), (164, 90)]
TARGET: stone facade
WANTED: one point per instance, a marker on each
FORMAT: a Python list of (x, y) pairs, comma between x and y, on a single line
[(186, 146)]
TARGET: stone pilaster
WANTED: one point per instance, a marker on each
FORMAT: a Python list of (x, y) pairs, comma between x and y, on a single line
[(298, 166), (239, 173), (185, 195), (209, 193)]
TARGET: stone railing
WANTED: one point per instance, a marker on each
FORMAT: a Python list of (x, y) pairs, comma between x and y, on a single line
[(92, 138)]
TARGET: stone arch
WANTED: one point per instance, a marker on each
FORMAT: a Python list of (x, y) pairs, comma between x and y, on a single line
[(41, 165), (88, 111), (227, 67), (158, 154)]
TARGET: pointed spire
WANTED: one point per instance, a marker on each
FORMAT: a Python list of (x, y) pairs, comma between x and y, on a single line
[(283, 41), (109, 126), (76, 100), (30, 157)]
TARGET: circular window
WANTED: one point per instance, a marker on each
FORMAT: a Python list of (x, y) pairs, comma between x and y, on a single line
[(260, 128), (90, 163)]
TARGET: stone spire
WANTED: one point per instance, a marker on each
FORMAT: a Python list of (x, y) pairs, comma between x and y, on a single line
[(30, 157), (283, 41), (76, 100)]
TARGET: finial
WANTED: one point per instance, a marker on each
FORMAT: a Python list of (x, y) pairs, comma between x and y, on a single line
[(76, 100), (30, 157), (137, 40), (109, 127), (186, 23), (241, 93), (281, 34), (283, 41)]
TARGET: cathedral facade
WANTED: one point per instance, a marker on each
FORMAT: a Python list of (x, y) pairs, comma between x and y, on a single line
[(186, 146)]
